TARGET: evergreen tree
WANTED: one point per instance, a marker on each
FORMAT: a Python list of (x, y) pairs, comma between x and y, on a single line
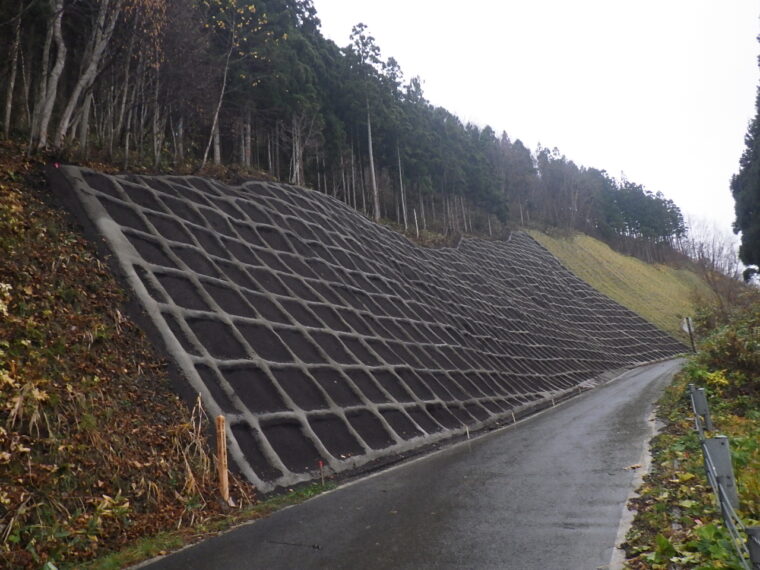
[(745, 187)]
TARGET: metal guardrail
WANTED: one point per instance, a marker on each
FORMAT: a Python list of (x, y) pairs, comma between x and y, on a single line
[(720, 473)]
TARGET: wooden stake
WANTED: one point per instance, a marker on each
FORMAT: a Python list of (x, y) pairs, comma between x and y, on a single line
[(221, 459)]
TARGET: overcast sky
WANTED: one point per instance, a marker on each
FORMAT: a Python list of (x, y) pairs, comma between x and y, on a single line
[(661, 90)]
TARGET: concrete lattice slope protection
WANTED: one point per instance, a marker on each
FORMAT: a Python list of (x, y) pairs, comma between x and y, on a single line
[(323, 337)]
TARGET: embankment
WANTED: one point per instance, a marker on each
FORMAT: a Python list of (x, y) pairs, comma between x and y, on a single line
[(327, 339)]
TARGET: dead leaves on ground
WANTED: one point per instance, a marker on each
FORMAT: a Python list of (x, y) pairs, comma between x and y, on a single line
[(95, 449)]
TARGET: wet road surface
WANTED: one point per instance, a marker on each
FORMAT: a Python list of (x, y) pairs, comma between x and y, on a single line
[(547, 493)]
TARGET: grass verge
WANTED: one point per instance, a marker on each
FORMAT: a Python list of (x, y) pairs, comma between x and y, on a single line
[(659, 293), (168, 541), (677, 522)]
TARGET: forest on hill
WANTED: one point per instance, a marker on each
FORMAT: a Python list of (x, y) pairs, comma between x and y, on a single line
[(255, 85)]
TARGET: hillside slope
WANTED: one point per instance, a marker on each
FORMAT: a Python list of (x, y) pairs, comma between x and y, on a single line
[(95, 448), (659, 293), (330, 340)]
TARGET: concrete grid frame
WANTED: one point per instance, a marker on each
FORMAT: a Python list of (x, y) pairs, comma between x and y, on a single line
[(327, 339)]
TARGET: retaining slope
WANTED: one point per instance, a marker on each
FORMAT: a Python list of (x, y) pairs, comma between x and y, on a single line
[(325, 337)]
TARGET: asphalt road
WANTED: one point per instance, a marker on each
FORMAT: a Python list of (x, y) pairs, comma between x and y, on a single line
[(547, 493)]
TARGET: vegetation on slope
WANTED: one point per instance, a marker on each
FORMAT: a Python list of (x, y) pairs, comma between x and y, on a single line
[(678, 523), (660, 293), (95, 449)]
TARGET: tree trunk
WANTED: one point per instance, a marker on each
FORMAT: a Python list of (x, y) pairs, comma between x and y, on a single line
[(247, 141), (128, 107), (217, 144), (445, 214), (123, 110), (277, 150), (464, 214), (159, 126), (215, 123), (241, 142), (84, 126), (141, 108), (422, 209), (291, 170), (317, 171), (342, 176), (269, 151), (324, 173), (401, 186), (255, 149), (51, 85), (111, 119), (296, 135), (26, 87), (353, 180), (181, 139), (108, 14), (41, 87), (362, 186), (14, 68), (127, 135), (375, 193)]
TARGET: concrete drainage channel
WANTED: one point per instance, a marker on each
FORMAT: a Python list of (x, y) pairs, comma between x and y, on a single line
[(327, 339)]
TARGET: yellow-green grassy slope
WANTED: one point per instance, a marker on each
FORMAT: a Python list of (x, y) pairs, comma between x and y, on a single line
[(659, 293)]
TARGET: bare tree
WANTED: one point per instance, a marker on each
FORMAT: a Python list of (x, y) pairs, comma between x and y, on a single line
[(214, 136), (715, 253), (375, 192), (108, 15), (712, 248), (49, 79), (14, 67)]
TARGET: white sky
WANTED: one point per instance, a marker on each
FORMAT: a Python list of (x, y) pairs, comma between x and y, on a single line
[(661, 90)]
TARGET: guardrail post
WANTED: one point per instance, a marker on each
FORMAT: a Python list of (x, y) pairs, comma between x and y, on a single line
[(753, 545), (702, 408), (697, 419), (690, 330), (720, 455)]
